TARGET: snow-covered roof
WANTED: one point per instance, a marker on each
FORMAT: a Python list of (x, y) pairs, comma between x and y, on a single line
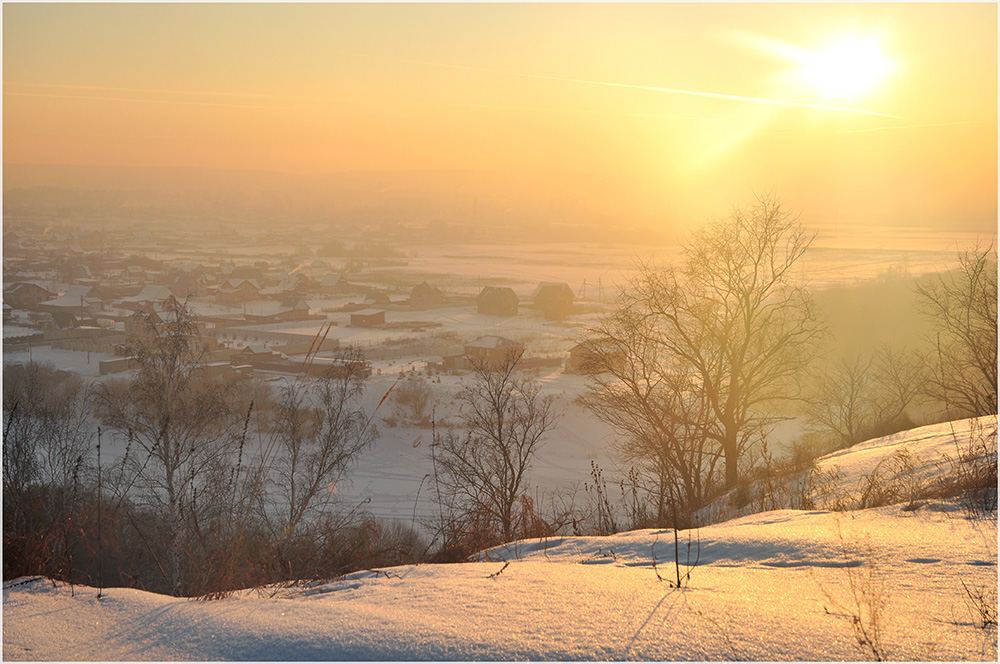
[(492, 341), (368, 312), (73, 296)]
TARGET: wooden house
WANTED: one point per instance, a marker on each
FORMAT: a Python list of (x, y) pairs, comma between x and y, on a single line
[(554, 299), (368, 318), (425, 295), (497, 301), (25, 295), (237, 291), (492, 351)]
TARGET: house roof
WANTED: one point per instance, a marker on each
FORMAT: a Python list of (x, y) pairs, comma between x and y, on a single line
[(425, 288), (150, 293), (231, 285), (368, 312), (492, 341), (73, 296), (19, 286), (553, 289), (496, 291)]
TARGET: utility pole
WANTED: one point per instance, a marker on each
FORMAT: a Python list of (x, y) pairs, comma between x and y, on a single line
[(100, 538)]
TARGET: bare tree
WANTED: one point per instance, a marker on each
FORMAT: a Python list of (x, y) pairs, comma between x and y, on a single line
[(662, 418), (963, 305), (730, 325), (483, 470), (178, 424), (318, 430), (864, 397)]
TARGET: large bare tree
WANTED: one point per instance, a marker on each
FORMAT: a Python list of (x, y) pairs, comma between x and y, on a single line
[(730, 325), (663, 418), (962, 304)]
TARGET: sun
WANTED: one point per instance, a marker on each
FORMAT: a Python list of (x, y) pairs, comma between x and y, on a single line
[(848, 68)]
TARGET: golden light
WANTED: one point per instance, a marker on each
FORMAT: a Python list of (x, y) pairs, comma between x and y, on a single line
[(847, 69)]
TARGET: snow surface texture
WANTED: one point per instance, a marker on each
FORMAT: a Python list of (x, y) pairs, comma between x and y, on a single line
[(779, 585)]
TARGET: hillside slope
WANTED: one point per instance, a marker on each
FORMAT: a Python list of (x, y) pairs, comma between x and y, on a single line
[(778, 585)]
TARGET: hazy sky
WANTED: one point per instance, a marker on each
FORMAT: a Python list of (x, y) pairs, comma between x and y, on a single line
[(860, 113)]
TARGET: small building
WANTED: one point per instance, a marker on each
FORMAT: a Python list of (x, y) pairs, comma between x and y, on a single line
[(25, 295), (492, 350), (334, 284), (269, 311), (189, 285), (151, 295), (376, 296), (586, 358), (78, 299), (256, 354), (425, 295), (368, 318), (117, 365), (554, 299), (497, 301), (237, 291)]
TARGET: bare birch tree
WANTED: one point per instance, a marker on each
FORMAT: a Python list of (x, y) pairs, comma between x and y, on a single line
[(178, 424)]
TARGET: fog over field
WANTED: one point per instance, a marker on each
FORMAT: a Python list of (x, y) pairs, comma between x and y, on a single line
[(337, 307)]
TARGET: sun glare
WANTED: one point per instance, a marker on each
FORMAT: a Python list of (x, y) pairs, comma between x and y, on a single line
[(847, 69)]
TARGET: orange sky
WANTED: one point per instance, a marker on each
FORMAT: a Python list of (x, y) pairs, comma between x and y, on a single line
[(560, 92)]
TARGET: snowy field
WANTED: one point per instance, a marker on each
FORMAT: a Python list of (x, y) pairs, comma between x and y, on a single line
[(783, 585)]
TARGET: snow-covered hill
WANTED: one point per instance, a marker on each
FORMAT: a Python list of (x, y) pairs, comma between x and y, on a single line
[(781, 585)]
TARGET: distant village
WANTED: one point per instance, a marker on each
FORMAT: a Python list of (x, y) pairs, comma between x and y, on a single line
[(293, 314)]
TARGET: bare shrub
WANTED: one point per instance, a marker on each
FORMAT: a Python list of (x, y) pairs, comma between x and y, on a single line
[(867, 607), (894, 479), (982, 604), (973, 476), (413, 400), (47, 471)]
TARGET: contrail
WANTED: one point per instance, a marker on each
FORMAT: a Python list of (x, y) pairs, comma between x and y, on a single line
[(912, 126), (146, 101), (631, 86), (102, 88), (588, 111)]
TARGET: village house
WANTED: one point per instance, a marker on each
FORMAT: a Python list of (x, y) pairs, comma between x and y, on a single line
[(237, 291), (497, 301), (368, 318), (334, 284), (583, 358), (288, 309), (257, 355), (554, 299), (293, 283), (149, 295), (25, 295), (425, 295), (487, 351), (78, 299)]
